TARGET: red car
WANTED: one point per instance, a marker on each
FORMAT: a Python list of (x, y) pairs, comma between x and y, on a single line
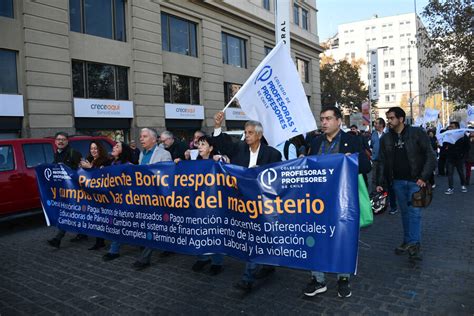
[(19, 194)]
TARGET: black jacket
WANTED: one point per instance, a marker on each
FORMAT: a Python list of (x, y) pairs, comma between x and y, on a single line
[(239, 153), (177, 150), (69, 157), (421, 157), (349, 144), (458, 150)]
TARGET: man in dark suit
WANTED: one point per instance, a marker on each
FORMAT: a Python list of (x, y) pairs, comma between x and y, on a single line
[(334, 141), (249, 153)]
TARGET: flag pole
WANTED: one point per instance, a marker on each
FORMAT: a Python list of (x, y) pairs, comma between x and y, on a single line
[(227, 105)]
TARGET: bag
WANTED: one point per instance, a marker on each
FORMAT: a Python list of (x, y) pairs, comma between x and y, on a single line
[(423, 197), (366, 215), (379, 202)]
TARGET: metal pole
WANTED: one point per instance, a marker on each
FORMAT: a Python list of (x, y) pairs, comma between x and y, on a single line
[(410, 99), (368, 89)]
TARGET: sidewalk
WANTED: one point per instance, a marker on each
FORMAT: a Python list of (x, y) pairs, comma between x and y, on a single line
[(38, 280)]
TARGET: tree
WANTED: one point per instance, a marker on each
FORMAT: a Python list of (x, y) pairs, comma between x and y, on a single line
[(340, 82), (449, 45)]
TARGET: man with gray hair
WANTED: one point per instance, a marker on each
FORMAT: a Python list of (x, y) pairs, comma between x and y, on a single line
[(152, 153), (249, 153), (175, 147)]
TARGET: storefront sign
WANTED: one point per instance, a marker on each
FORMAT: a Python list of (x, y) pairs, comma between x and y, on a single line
[(103, 108), (11, 105), (184, 111), (235, 114)]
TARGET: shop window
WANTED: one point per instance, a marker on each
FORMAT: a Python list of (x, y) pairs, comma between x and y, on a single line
[(266, 4), (104, 18), (99, 81), (234, 51), (230, 89), (178, 35), (8, 77), (6, 158), (181, 89), (303, 69), (6, 8), (267, 50)]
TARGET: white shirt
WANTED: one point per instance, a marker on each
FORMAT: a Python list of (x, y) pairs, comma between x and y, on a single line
[(253, 157)]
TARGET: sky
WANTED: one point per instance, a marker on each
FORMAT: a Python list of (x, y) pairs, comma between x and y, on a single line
[(331, 13)]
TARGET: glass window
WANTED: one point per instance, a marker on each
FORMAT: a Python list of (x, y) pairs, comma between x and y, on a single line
[(6, 158), (392, 62), (37, 154), (386, 86), (8, 75), (387, 98), (181, 89), (75, 15), (392, 86), (6, 8), (296, 14), (303, 69), (392, 74), (304, 19), (178, 35), (266, 4), (385, 74), (230, 89), (233, 51), (267, 50), (104, 18), (385, 63), (101, 81)]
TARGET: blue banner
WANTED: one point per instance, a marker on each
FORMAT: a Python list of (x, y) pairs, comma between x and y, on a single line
[(302, 213)]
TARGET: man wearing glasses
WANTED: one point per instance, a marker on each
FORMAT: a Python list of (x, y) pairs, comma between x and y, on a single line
[(66, 155), (333, 141)]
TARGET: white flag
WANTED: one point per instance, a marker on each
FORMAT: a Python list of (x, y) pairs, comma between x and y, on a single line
[(274, 96), (470, 113), (419, 121), (430, 115), (452, 136)]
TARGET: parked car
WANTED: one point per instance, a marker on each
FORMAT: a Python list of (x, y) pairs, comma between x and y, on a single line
[(18, 157)]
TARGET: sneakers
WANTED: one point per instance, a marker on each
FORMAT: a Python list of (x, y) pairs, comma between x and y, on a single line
[(78, 237), (110, 256), (314, 287), (343, 287), (402, 249), (215, 269), (449, 191), (414, 252), (138, 265), (463, 189), (244, 286), (393, 211), (433, 186)]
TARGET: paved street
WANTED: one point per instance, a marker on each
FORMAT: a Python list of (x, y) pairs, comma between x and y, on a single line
[(38, 280)]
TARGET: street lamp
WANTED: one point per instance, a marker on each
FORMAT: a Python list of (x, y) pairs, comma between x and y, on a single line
[(369, 51), (410, 99)]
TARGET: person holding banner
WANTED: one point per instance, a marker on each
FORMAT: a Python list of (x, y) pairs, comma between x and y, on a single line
[(67, 155), (456, 154), (470, 159), (206, 151), (249, 153), (152, 153), (407, 161), (334, 141)]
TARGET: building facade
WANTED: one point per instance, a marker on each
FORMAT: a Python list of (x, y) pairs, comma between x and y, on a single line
[(389, 47), (112, 67)]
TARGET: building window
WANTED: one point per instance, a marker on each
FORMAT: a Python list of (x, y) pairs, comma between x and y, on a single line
[(385, 74), (104, 18), (267, 50), (6, 8), (178, 35), (385, 63), (303, 69), (387, 86), (404, 73), (387, 98), (266, 4), (8, 77), (392, 74), (393, 98), (233, 51), (230, 89), (353, 55), (296, 14), (392, 86), (99, 81), (304, 18), (180, 89)]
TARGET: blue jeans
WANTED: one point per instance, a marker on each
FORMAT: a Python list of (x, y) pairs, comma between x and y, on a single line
[(250, 269), (321, 276), (411, 216), (392, 198), (114, 247)]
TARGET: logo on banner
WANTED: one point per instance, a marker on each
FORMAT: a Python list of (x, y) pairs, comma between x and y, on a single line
[(48, 173), (264, 74), (267, 177)]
